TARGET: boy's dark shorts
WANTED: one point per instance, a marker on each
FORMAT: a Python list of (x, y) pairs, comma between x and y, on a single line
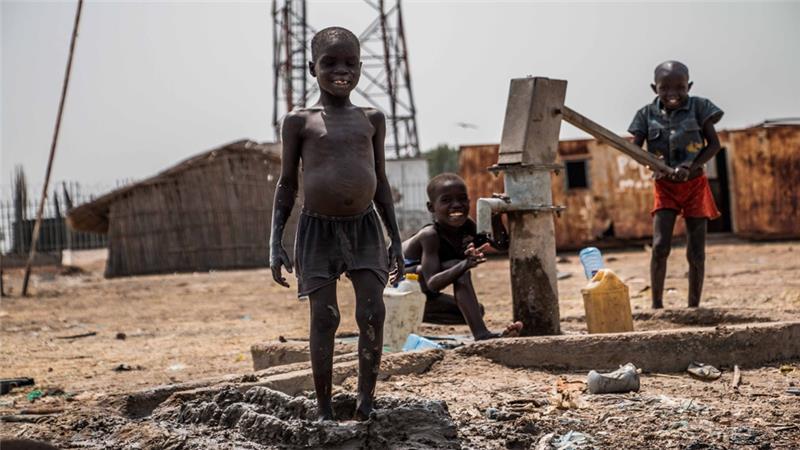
[(326, 247)]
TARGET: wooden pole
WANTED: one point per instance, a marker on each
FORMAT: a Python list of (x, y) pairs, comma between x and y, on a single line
[(604, 134), (40, 210)]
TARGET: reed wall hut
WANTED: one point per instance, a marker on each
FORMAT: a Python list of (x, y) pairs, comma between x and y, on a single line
[(609, 196), (211, 211)]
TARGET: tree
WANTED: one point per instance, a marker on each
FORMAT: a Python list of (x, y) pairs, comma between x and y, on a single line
[(441, 159)]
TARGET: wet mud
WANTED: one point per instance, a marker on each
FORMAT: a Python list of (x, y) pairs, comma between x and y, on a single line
[(260, 418)]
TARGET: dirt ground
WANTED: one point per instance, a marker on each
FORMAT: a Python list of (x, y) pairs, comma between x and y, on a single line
[(183, 327)]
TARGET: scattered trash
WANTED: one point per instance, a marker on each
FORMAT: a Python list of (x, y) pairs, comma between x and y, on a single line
[(573, 440), (78, 336), (7, 384), (679, 424), (544, 442), (126, 368), (35, 395), (416, 342), (568, 393), (240, 357), (121, 336), (793, 391), (41, 411), (786, 368), (176, 367), (703, 371), (624, 379), (501, 414), (745, 436), (246, 317), (737, 377)]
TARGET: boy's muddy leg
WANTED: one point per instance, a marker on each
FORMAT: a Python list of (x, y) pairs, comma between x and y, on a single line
[(467, 302), (696, 255), (370, 313), (324, 322), (663, 224)]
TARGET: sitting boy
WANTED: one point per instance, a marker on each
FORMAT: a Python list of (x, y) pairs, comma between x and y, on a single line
[(444, 252)]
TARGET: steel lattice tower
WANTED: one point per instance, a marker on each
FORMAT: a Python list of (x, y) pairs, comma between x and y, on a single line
[(385, 69)]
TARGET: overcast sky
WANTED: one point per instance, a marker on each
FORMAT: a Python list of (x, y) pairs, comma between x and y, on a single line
[(156, 82)]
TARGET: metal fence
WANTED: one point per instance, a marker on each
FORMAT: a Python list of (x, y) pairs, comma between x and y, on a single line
[(18, 217)]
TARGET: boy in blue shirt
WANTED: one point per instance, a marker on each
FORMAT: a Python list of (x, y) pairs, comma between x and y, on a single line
[(680, 130)]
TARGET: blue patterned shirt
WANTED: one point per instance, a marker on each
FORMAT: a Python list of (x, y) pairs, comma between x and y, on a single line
[(676, 135)]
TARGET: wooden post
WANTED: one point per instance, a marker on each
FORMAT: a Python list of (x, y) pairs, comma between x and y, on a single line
[(40, 210)]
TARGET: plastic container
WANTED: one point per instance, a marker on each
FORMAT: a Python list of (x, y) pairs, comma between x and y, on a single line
[(607, 304), (592, 261), (414, 342), (405, 306)]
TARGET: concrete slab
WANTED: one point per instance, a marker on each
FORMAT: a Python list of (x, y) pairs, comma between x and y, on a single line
[(749, 345), (290, 379), (276, 353)]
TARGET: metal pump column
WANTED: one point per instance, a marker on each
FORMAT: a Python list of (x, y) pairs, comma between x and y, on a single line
[(527, 156)]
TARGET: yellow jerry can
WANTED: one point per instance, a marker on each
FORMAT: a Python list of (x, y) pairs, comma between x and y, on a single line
[(607, 303)]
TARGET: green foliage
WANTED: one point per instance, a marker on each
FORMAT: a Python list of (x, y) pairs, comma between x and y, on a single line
[(441, 159)]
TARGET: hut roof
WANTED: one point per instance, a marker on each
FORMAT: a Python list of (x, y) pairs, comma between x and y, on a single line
[(93, 216)]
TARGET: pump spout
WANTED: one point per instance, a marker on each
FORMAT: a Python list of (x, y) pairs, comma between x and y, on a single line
[(485, 208)]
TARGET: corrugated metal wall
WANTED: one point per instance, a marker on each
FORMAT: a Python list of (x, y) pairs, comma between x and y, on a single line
[(764, 185), (765, 180), (616, 203)]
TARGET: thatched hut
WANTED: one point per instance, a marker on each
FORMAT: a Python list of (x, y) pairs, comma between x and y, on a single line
[(211, 211)]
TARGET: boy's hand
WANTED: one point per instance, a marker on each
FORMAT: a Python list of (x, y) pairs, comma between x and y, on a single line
[(474, 255), (396, 262), (278, 258), (681, 173)]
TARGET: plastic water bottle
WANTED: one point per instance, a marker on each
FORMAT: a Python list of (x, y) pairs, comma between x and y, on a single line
[(416, 342), (592, 261)]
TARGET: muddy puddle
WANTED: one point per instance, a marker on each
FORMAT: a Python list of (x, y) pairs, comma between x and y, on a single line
[(258, 418)]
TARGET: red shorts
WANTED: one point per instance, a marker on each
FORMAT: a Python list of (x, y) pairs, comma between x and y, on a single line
[(691, 198)]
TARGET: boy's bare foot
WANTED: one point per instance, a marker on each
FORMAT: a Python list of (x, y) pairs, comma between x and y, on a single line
[(326, 414), (363, 411), (512, 330)]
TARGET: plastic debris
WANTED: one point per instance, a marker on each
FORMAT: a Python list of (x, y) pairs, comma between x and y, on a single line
[(35, 395), (624, 379), (703, 371), (573, 440), (416, 342)]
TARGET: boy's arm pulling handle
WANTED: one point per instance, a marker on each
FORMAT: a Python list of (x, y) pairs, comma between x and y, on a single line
[(604, 134)]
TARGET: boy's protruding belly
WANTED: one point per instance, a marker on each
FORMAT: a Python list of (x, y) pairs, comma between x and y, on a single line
[(342, 189)]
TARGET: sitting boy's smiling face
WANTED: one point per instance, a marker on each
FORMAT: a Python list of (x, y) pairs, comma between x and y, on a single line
[(450, 204), (337, 67)]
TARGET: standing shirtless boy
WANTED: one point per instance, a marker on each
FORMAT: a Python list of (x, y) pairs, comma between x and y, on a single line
[(679, 129), (445, 252), (341, 148)]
